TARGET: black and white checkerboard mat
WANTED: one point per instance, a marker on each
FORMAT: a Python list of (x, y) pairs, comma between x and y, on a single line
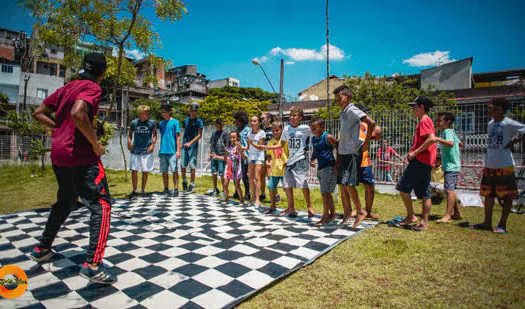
[(189, 251)]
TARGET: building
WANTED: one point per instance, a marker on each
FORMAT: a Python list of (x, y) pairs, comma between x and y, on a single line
[(318, 90), (184, 85), (9, 64), (144, 70), (219, 83)]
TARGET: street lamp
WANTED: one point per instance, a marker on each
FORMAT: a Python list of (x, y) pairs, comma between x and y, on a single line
[(253, 104), (256, 62)]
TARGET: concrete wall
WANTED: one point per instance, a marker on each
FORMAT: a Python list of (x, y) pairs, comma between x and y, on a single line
[(9, 83), (36, 81)]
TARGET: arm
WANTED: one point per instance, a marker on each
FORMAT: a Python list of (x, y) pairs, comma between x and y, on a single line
[(178, 145), (79, 114), (259, 145), (332, 140), (445, 142), (41, 115), (195, 139), (130, 139), (369, 132), (153, 141), (430, 139)]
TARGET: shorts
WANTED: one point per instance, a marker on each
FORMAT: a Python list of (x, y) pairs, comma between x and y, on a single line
[(168, 162), (189, 157), (499, 182), (347, 171), (365, 175), (274, 182), (141, 163), (296, 175), (327, 179), (217, 167), (260, 162), (416, 177), (451, 179)]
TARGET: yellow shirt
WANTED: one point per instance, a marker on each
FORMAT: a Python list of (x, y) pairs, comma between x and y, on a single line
[(279, 157)]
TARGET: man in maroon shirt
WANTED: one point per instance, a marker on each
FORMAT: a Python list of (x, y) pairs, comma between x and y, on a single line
[(422, 158), (75, 154)]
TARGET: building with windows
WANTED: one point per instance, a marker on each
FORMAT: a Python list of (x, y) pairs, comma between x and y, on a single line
[(184, 84), (219, 83)]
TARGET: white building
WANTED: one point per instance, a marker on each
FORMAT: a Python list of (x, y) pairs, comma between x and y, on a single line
[(219, 83)]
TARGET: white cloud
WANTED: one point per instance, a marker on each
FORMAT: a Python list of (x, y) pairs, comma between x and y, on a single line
[(289, 62), (263, 59), (300, 54), (134, 53), (429, 59)]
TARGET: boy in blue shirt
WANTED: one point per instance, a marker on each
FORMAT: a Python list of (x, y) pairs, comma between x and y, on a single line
[(169, 151), (142, 138), (192, 134)]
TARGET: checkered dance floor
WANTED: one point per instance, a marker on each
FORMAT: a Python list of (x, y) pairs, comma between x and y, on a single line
[(189, 252)]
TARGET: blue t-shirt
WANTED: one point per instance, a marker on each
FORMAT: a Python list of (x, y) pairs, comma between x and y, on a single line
[(324, 151), (142, 135), (191, 129), (168, 136)]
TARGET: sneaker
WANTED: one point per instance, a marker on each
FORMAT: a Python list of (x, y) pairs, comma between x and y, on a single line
[(235, 196), (210, 192), (39, 255), (143, 194), (100, 275), (166, 191), (247, 197), (190, 188), (216, 192), (175, 192), (262, 197), (184, 185), (133, 195)]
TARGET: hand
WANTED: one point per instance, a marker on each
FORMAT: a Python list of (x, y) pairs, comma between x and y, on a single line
[(130, 147), (411, 155), (335, 169), (312, 163), (178, 155), (99, 149), (187, 145), (150, 148)]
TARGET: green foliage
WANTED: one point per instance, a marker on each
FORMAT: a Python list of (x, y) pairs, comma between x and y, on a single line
[(109, 131), (214, 107), (380, 94), (127, 72), (240, 93), (4, 99), (154, 106), (24, 124)]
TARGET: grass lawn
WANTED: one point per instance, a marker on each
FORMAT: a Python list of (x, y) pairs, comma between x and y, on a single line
[(446, 266)]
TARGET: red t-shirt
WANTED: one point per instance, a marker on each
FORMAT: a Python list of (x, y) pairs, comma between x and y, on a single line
[(69, 146), (424, 128), (385, 156)]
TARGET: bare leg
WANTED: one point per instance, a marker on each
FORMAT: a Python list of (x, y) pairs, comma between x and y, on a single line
[(306, 194), (427, 204), (134, 180), (257, 183), (489, 204), (451, 201), (144, 181), (214, 179), (183, 173), (369, 201), (457, 211), (347, 205), (326, 209), (331, 207), (262, 180), (251, 175), (175, 179), (165, 180), (507, 205), (272, 198), (291, 204), (226, 183), (192, 172), (359, 209), (239, 190), (223, 182), (407, 200)]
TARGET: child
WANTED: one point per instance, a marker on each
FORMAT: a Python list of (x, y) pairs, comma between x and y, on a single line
[(498, 175), (142, 138), (255, 159), (242, 127), (385, 160), (267, 126), (277, 158), (451, 164), (296, 172), (234, 158), (422, 158), (219, 142), (169, 151), (324, 145), (192, 134), (349, 149)]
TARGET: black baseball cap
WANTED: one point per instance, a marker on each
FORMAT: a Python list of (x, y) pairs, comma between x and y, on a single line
[(218, 121), (94, 65), (194, 107), (422, 100)]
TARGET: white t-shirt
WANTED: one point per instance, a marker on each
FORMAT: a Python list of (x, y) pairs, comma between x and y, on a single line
[(349, 125), (254, 153), (499, 135), (297, 141)]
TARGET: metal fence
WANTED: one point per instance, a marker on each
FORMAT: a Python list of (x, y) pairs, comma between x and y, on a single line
[(397, 126)]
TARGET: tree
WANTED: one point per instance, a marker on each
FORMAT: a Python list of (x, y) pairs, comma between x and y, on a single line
[(154, 106), (214, 107), (246, 92)]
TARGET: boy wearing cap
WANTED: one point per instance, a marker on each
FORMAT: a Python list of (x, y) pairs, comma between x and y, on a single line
[(349, 150), (422, 158), (219, 141), (169, 150), (75, 154), (192, 134), (498, 178), (142, 138)]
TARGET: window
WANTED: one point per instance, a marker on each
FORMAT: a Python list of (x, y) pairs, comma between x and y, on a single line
[(41, 93), (53, 51), (7, 68), (465, 122), (235, 84)]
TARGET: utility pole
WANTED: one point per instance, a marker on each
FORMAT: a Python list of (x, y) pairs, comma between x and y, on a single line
[(328, 103), (26, 80), (281, 92)]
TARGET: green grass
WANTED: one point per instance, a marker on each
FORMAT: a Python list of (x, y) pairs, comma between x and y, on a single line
[(446, 266)]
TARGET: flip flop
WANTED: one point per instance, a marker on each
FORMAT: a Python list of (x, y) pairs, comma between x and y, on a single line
[(500, 230), (417, 228), (398, 219), (480, 226), (270, 210)]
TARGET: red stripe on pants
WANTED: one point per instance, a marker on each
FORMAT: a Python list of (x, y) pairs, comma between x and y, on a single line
[(104, 230), (100, 175)]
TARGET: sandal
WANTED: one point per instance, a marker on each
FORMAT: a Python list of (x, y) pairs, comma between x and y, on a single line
[(500, 230), (270, 210), (481, 227)]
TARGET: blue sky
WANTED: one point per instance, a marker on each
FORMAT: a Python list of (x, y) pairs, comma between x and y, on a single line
[(383, 37)]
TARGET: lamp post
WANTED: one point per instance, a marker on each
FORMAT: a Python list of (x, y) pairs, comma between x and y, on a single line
[(280, 98)]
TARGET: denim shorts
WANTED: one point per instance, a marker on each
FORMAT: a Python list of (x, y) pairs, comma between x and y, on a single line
[(168, 162), (217, 167), (189, 157), (365, 175), (450, 180), (416, 177), (274, 182), (260, 162)]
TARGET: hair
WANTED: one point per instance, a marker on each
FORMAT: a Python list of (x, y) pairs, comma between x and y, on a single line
[(296, 110), (318, 120), (143, 109), (238, 137), (166, 107), (425, 101), (242, 116), (277, 124), (343, 89), (501, 101), (447, 116), (271, 117)]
